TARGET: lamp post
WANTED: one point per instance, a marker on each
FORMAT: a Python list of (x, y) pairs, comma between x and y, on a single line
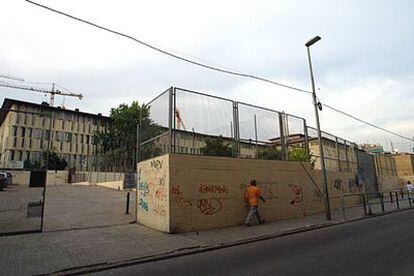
[(315, 103)]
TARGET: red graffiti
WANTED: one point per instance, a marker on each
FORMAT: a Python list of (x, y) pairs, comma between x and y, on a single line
[(159, 209), (209, 206), (178, 196), (212, 188), (298, 194), (160, 194)]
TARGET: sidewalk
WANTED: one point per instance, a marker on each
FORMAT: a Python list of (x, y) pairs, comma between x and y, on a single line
[(87, 249)]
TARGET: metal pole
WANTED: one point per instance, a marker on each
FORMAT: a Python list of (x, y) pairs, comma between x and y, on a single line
[(315, 103), (305, 130), (396, 199), (47, 166), (382, 202), (127, 204), (170, 119), (255, 131)]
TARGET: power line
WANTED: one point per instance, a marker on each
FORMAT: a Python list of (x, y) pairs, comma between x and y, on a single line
[(171, 54), (368, 123), (226, 71)]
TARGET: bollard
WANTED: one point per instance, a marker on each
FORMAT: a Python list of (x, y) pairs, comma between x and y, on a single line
[(343, 207), (364, 204), (391, 197), (396, 199), (382, 202), (127, 204)]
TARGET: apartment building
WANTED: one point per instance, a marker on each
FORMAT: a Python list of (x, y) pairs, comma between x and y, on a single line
[(27, 130)]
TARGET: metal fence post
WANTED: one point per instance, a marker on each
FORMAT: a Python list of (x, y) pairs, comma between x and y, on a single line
[(409, 198), (343, 206), (282, 136), (127, 204), (305, 130), (364, 203), (170, 119), (392, 201), (396, 199), (382, 202)]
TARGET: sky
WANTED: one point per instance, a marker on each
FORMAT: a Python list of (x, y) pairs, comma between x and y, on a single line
[(363, 65)]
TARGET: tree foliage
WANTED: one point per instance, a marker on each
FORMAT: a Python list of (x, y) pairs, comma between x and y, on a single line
[(269, 154), (217, 146), (119, 140), (54, 161)]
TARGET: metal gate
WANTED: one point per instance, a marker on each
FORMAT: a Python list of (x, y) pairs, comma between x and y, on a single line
[(22, 207)]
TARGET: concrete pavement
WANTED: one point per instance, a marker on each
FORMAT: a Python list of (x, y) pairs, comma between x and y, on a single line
[(97, 248)]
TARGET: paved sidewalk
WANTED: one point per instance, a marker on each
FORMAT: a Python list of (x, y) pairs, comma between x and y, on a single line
[(81, 250)]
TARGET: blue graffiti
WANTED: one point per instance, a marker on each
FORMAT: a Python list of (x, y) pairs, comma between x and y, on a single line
[(143, 188), (143, 205)]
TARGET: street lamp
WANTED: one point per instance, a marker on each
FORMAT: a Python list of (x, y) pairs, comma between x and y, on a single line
[(315, 103)]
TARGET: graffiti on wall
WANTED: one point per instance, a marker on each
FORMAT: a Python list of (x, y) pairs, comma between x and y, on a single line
[(338, 185), (297, 194), (152, 188), (156, 164), (211, 201)]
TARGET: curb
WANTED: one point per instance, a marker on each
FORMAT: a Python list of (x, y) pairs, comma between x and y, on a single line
[(200, 249)]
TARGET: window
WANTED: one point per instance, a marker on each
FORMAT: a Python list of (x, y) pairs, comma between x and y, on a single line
[(15, 142), (30, 143), (76, 147), (28, 155), (43, 121), (75, 138), (12, 155), (30, 130), (22, 142), (81, 136), (25, 119), (61, 145), (83, 127), (87, 139), (68, 137), (20, 155), (23, 133), (63, 125), (14, 130)]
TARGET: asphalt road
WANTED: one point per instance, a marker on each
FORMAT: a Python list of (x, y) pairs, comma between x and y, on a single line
[(377, 246)]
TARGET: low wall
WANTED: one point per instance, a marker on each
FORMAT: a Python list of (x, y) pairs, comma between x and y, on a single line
[(98, 177), (180, 193), (56, 178), (20, 177), (117, 185)]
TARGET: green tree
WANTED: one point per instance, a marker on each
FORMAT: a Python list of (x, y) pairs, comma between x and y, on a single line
[(217, 146), (298, 154), (118, 142), (54, 161), (269, 154)]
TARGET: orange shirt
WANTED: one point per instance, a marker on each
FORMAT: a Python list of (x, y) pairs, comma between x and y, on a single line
[(253, 194)]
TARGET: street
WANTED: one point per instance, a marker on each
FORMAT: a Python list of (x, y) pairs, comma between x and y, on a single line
[(376, 246)]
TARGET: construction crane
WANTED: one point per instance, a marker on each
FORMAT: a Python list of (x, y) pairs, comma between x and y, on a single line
[(179, 119), (52, 92)]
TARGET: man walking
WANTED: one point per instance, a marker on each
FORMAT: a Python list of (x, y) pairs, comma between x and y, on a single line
[(252, 199)]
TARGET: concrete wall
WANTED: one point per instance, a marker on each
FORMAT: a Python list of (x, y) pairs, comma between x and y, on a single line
[(389, 183), (117, 185), (21, 177), (154, 193), (179, 193), (57, 178), (404, 164)]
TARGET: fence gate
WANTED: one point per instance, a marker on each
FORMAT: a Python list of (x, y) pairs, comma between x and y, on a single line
[(21, 207)]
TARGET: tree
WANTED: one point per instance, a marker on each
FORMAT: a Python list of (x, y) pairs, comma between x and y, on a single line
[(54, 161), (217, 146), (269, 154), (298, 154), (118, 142)]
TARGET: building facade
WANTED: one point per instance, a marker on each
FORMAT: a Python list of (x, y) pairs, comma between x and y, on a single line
[(28, 130)]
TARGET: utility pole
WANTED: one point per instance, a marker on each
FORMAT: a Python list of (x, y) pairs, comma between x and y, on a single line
[(316, 106)]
